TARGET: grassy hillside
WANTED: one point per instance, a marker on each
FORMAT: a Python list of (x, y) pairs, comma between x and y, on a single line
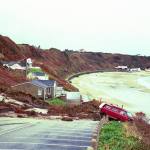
[(115, 136)]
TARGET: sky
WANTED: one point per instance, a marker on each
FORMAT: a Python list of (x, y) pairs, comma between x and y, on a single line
[(116, 26)]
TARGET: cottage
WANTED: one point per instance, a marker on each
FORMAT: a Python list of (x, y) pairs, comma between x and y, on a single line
[(21, 64), (14, 65), (38, 88), (73, 97)]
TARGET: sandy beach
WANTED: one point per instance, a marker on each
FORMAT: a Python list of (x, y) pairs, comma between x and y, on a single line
[(132, 90)]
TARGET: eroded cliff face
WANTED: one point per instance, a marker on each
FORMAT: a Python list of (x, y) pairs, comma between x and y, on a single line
[(60, 64)]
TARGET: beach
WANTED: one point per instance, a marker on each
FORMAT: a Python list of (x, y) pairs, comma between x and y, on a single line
[(132, 90)]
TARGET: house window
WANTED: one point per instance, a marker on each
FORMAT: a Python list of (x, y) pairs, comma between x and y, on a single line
[(48, 90), (39, 92)]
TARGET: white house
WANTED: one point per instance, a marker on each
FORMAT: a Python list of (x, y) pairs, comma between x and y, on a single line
[(21, 64), (121, 67), (14, 65), (135, 69)]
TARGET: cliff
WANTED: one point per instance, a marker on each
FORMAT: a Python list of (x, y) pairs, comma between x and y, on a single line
[(60, 64)]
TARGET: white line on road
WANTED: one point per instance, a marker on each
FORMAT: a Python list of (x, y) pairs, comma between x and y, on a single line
[(75, 136), (15, 129), (71, 129), (12, 128), (66, 132), (51, 139)]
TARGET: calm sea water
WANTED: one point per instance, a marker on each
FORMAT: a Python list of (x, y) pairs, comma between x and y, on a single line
[(129, 89)]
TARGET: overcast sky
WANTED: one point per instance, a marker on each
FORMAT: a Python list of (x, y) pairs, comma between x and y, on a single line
[(117, 26)]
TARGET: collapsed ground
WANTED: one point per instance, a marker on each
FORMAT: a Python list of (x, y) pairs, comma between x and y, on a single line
[(29, 106)]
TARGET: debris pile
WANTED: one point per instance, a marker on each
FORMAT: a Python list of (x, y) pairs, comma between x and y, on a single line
[(25, 105), (28, 99), (87, 110)]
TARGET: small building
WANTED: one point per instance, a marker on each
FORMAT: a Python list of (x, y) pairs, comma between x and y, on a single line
[(38, 88), (20, 64), (39, 75), (135, 69), (148, 69), (122, 68), (14, 65), (73, 97), (60, 91)]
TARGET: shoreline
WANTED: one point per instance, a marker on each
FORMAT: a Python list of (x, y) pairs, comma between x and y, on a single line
[(116, 89), (88, 72)]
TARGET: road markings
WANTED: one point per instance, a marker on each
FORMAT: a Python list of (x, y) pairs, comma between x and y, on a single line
[(51, 139), (66, 132), (17, 128), (75, 136), (69, 136), (70, 129)]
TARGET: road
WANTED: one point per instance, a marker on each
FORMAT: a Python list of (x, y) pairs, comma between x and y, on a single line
[(36, 134)]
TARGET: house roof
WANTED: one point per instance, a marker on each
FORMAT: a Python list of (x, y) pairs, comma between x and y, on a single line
[(43, 83), (40, 83), (11, 63), (39, 73)]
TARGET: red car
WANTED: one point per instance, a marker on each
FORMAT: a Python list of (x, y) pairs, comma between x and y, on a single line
[(115, 112)]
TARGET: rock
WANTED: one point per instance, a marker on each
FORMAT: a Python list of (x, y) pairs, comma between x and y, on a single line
[(67, 118), (21, 115)]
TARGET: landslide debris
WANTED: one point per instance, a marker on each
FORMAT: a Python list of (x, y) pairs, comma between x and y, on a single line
[(87, 110)]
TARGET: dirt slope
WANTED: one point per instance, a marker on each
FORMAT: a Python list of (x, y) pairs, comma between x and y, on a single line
[(59, 64)]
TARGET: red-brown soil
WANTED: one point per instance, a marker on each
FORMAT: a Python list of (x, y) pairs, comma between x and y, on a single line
[(60, 64), (88, 110)]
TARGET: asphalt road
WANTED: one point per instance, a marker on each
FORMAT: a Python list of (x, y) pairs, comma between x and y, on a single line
[(16, 133)]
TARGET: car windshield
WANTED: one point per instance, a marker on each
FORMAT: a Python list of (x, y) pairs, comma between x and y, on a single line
[(129, 114)]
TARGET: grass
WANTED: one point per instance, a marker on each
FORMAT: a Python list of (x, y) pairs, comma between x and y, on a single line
[(35, 70), (56, 101), (113, 137)]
